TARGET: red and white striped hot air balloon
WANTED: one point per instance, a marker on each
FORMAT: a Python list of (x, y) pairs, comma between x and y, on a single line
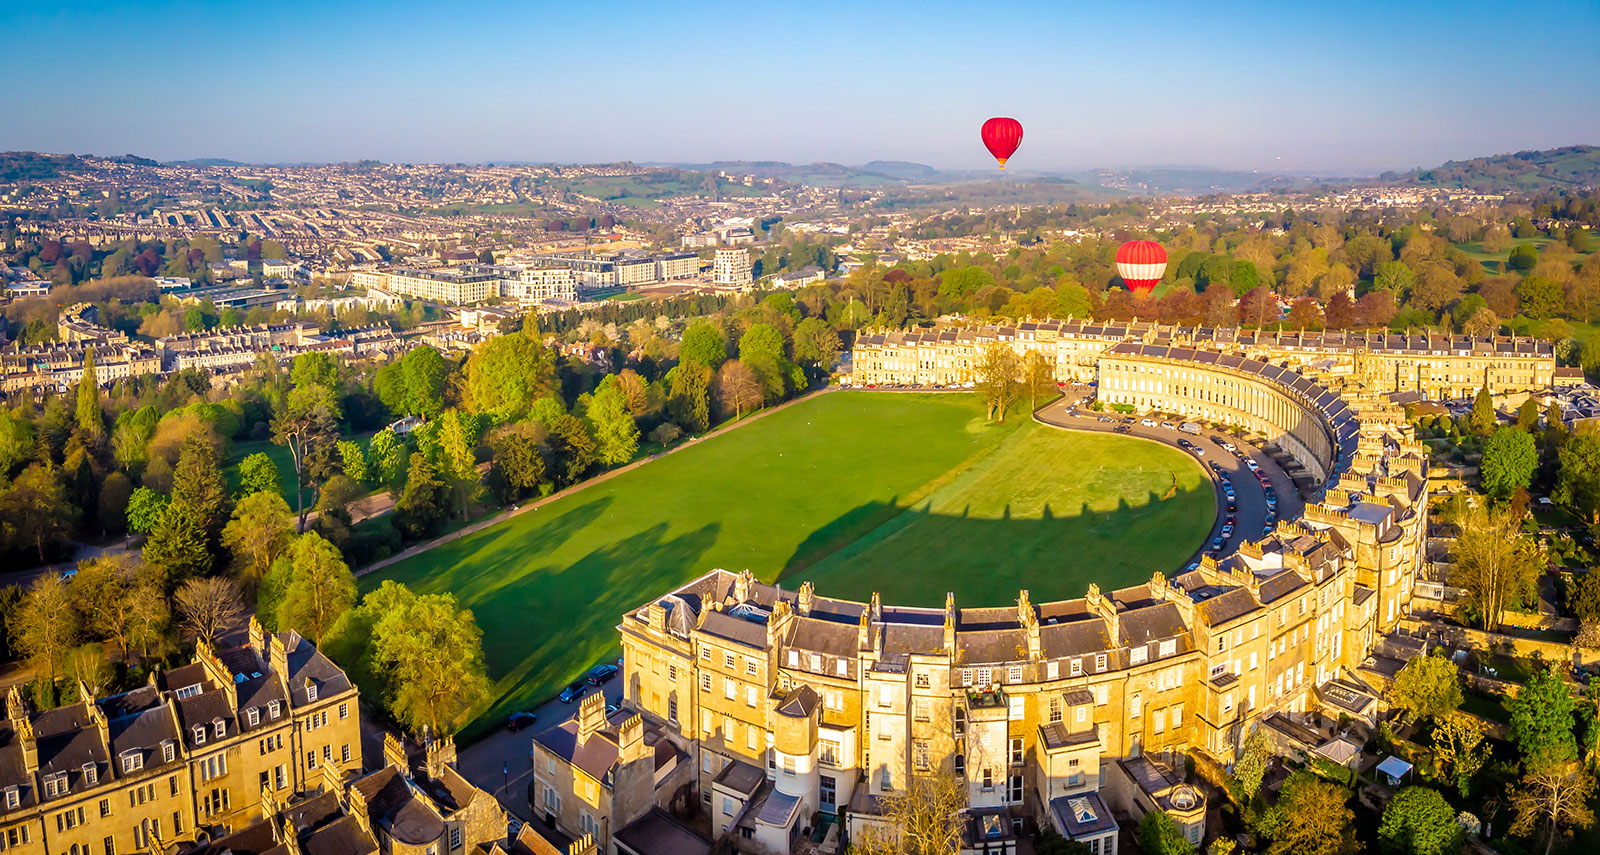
[(1141, 264)]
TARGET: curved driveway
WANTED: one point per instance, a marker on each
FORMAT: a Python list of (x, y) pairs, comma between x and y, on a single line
[(1250, 522)]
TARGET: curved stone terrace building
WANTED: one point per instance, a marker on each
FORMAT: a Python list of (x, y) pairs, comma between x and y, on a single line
[(788, 705)]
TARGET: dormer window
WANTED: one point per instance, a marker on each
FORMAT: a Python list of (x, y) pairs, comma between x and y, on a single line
[(199, 734), (219, 728), (1169, 647), (311, 692), (91, 775), (168, 751), (188, 692), (253, 716), (55, 784), (13, 798), (133, 761), (272, 710)]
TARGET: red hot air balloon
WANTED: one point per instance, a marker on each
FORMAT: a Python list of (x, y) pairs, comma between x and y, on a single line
[(1141, 264), (1002, 136)]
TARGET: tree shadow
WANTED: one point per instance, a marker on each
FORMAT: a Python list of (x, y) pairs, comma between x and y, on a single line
[(915, 555)]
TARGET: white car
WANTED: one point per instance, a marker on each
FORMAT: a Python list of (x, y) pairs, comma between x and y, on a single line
[(1169, 426), (1148, 422)]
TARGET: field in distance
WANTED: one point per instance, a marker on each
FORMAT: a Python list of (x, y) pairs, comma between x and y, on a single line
[(911, 495)]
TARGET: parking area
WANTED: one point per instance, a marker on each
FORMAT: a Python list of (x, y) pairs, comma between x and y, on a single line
[(1253, 491)]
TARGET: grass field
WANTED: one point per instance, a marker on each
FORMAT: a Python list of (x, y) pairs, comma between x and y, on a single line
[(280, 458), (910, 495)]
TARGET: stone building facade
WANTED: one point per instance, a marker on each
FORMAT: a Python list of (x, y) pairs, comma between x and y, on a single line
[(195, 750), (786, 704), (1437, 365)]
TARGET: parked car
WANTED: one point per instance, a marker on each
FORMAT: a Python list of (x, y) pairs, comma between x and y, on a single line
[(1216, 543), (612, 709), (1123, 429), (519, 720), (1190, 427), (1148, 422), (1227, 531), (1103, 419), (601, 673), (573, 691), (1168, 426)]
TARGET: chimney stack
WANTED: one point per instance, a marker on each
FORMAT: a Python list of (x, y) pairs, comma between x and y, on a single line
[(591, 716), (950, 624), (278, 658), (807, 595), (630, 740)]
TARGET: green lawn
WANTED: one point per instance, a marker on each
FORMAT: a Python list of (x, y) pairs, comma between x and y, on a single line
[(908, 494), (280, 458)]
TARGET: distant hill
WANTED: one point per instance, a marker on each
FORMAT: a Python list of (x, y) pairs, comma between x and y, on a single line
[(33, 166), (1556, 168), (207, 161)]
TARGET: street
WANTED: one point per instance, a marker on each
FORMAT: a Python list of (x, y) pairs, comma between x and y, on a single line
[(1250, 497), (500, 762)]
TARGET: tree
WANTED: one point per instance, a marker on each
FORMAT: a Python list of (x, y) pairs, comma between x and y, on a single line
[(1427, 687), (261, 527), (615, 433), (387, 460), (307, 425), (424, 372), (353, 462), (690, 401), (1583, 596), (1528, 415), (997, 379), (738, 389), (573, 449), (45, 626), (1553, 797), (1159, 835), (197, 484), (420, 509), (210, 607), (1394, 277), (145, 507), (177, 548), (817, 343), (1418, 821), (113, 506), (458, 462), (1578, 484), (1255, 757), (1524, 257), (91, 422), (37, 509), (1038, 377), (921, 818), (702, 345), (1509, 458), (257, 473), (1459, 746), (516, 466), (1541, 722), (1494, 561), (317, 586), (1483, 418), (431, 653), (1310, 818)]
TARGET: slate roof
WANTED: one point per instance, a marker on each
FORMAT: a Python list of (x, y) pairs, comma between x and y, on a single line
[(657, 833)]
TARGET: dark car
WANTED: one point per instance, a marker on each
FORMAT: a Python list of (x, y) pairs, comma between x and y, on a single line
[(1216, 543), (613, 708), (518, 720), (1123, 429), (1104, 419), (572, 692), (601, 673)]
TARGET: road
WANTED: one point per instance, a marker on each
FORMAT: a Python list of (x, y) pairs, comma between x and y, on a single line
[(500, 762), (1251, 498)]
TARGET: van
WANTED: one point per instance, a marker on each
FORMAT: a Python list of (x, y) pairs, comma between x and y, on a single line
[(1190, 427)]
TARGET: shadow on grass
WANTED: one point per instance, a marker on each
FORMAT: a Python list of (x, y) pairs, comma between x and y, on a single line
[(912, 556)]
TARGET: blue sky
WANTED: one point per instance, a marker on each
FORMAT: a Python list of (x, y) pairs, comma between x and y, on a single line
[(1331, 87)]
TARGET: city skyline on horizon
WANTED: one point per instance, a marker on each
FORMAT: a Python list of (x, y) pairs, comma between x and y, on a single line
[(1250, 88)]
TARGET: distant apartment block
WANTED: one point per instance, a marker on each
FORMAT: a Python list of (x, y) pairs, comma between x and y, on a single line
[(732, 268), (34, 288), (681, 265), (450, 287)]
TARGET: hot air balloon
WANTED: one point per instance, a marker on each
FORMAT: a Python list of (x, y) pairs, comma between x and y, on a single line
[(1002, 136), (1141, 264)]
